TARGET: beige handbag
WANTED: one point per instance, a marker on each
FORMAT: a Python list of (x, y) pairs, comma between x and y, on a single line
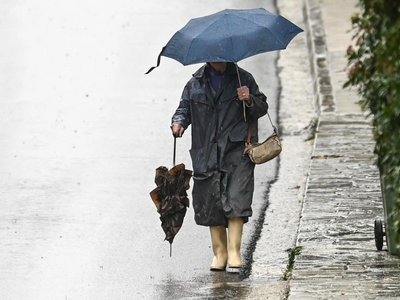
[(260, 153)]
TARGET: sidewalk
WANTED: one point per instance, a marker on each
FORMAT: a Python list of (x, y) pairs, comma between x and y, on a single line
[(339, 259)]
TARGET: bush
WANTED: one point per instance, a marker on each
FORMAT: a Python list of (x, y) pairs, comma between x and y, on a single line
[(374, 68)]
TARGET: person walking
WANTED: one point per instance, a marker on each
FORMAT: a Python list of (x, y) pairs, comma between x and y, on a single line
[(212, 103)]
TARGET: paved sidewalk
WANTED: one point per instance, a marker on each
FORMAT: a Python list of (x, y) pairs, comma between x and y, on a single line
[(339, 259)]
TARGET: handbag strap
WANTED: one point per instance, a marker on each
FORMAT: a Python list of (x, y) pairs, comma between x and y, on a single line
[(249, 133), (272, 124), (250, 125)]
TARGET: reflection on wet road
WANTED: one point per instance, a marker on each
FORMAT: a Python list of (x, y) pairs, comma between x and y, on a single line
[(215, 285)]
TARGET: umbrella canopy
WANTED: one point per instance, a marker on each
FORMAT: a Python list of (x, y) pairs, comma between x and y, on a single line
[(229, 36), (170, 198)]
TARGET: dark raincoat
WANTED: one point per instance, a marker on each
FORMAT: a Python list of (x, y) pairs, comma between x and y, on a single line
[(223, 177)]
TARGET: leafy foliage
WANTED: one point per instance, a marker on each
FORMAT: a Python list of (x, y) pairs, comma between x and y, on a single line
[(374, 68)]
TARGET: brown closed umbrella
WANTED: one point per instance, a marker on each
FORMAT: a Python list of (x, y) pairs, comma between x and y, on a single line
[(170, 198)]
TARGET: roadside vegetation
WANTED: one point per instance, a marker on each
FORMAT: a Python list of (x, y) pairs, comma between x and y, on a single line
[(292, 253), (287, 273), (374, 69), (312, 129)]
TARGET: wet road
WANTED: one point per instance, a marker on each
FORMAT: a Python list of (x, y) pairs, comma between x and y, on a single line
[(82, 130)]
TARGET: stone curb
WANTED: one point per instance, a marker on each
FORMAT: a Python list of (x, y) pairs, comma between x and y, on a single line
[(319, 60)]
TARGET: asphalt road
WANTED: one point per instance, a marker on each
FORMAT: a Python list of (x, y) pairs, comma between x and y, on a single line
[(82, 130)]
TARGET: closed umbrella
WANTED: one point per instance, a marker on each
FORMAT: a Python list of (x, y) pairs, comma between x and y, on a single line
[(170, 197)]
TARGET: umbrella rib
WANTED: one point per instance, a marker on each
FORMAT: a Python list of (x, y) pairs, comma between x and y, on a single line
[(234, 54), (282, 44), (230, 38)]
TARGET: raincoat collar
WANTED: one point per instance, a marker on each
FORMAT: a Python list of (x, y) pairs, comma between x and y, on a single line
[(200, 76), (230, 70)]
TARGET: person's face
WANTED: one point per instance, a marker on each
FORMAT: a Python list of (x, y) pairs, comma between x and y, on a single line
[(219, 66)]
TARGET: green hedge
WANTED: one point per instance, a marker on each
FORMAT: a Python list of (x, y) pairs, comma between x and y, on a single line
[(374, 68)]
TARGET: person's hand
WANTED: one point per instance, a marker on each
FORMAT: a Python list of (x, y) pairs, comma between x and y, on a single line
[(244, 93), (177, 130)]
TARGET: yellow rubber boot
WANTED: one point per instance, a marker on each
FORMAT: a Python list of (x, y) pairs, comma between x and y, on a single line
[(219, 245), (235, 231)]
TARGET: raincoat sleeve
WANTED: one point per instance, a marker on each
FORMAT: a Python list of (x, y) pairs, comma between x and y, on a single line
[(258, 106), (182, 114)]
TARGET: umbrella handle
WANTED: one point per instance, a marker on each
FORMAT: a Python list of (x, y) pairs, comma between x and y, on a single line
[(240, 84), (174, 155)]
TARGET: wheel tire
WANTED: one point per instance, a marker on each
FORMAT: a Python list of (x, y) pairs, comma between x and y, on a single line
[(379, 234)]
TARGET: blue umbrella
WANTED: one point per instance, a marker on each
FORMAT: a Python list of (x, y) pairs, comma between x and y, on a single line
[(229, 36)]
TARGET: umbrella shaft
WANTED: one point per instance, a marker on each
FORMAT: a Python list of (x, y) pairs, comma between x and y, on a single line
[(240, 84), (237, 72)]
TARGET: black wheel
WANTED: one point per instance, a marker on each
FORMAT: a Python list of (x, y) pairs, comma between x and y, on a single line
[(379, 234)]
